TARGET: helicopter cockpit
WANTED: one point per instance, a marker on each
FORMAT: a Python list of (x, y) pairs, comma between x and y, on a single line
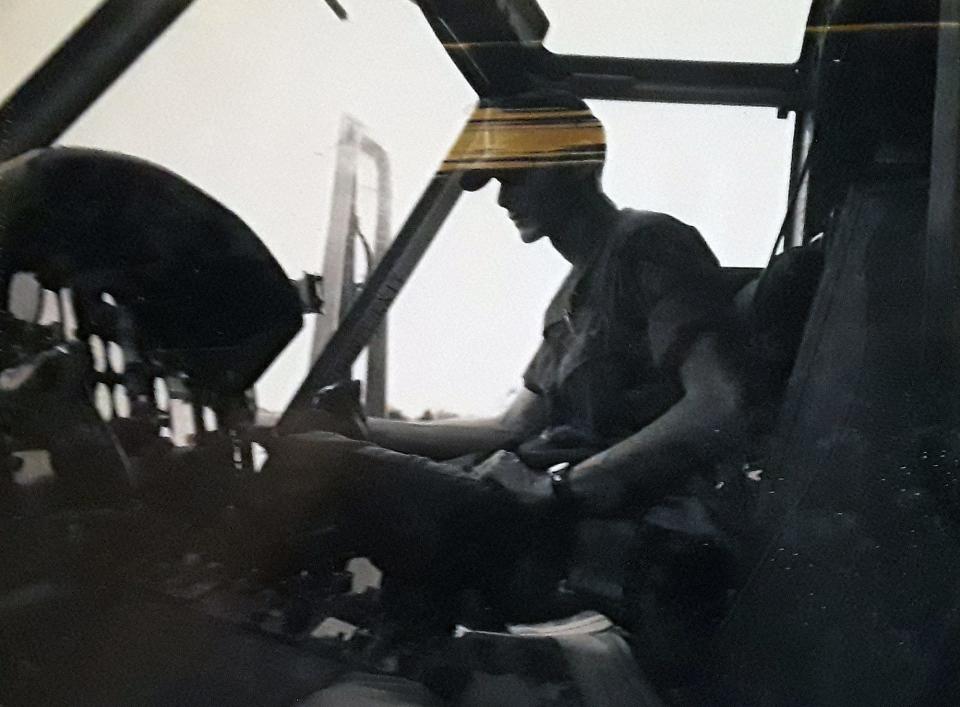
[(141, 314)]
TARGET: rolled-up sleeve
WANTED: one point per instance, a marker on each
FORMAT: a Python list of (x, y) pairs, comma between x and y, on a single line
[(673, 277)]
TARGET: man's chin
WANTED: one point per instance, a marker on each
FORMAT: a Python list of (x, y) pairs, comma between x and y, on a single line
[(530, 235)]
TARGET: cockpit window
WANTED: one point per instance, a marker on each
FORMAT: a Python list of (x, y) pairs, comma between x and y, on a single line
[(30, 31), (736, 199), (247, 103), (719, 30)]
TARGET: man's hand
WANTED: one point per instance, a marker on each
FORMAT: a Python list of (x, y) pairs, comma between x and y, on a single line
[(555, 445), (334, 408), (531, 488)]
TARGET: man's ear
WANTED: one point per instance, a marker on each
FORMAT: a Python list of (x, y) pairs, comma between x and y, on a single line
[(585, 177)]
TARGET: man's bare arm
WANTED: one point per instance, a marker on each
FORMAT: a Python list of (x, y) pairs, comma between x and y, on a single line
[(446, 439), (644, 465)]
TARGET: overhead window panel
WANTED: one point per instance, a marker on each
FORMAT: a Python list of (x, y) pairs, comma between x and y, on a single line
[(765, 31)]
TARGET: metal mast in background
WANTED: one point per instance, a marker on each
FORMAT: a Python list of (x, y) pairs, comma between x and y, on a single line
[(338, 263)]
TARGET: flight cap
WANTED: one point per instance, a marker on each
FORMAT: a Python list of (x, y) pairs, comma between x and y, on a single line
[(540, 129)]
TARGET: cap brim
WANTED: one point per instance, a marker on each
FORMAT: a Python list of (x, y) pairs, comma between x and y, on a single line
[(475, 179)]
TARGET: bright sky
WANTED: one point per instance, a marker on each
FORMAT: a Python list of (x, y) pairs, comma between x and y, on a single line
[(245, 99)]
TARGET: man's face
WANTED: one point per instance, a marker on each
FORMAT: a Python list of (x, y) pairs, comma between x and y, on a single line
[(534, 200)]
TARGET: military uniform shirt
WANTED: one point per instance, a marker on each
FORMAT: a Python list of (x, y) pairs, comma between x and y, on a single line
[(620, 327)]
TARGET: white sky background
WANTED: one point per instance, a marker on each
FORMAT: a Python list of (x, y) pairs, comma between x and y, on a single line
[(244, 98)]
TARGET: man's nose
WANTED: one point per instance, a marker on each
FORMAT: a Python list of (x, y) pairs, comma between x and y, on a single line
[(504, 196)]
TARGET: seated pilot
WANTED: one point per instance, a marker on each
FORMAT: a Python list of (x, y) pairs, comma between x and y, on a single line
[(630, 391)]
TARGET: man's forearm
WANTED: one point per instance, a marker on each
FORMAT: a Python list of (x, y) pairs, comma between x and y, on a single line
[(446, 439), (441, 439), (645, 465)]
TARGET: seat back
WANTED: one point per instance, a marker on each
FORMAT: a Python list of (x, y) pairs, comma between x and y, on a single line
[(851, 598)]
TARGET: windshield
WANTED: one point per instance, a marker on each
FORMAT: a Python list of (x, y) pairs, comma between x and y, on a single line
[(205, 127)]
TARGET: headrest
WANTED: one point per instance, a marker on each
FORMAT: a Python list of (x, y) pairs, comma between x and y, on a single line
[(204, 292)]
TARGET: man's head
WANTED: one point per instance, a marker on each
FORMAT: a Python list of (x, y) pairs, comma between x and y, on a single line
[(546, 148)]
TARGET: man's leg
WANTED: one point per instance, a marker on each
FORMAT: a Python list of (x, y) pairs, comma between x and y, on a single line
[(417, 519)]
